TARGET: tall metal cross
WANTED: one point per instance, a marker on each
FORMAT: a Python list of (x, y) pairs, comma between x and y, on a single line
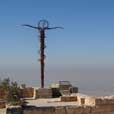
[(43, 25)]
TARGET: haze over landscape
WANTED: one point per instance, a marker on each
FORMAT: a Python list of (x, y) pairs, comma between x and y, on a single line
[(82, 52)]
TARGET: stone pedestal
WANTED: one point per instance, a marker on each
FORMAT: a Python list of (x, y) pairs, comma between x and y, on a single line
[(44, 93)]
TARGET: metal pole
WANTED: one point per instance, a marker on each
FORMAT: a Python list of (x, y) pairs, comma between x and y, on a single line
[(42, 56)]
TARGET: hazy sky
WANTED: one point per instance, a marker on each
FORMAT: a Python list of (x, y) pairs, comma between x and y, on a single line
[(82, 52)]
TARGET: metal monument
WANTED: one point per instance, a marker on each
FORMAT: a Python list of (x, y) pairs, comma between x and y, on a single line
[(43, 25)]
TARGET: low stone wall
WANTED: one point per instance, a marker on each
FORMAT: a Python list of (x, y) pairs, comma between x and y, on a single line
[(70, 110), (93, 101), (26, 93), (102, 106), (85, 105), (100, 101)]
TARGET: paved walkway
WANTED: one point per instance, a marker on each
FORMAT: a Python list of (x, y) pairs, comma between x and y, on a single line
[(50, 102)]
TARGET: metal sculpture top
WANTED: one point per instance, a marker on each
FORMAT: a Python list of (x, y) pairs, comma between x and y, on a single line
[(42, 26)]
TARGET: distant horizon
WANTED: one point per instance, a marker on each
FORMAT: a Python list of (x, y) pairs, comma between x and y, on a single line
[(93, 80)]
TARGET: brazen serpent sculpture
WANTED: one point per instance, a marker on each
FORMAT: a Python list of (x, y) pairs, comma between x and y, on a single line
[(43, 25)]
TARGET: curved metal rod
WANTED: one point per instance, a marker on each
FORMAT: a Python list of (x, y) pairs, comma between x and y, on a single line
[(30, 26), (45, 28), (55, 28)]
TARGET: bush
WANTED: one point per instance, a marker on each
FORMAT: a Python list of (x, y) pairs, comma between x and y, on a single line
[(56, 93), (13, 92)]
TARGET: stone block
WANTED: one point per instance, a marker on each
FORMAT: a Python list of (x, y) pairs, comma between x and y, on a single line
[(82, 101), (59, 110), (90, 101), (73, 98), (33, 111), (103, 108), (63, 99), (82, 110), (44, 93), (3, 93), (70, 110), (28, 92), (68, 98), (2, 104)]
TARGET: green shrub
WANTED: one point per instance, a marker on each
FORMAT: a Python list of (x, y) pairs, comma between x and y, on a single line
[(13, 92)]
